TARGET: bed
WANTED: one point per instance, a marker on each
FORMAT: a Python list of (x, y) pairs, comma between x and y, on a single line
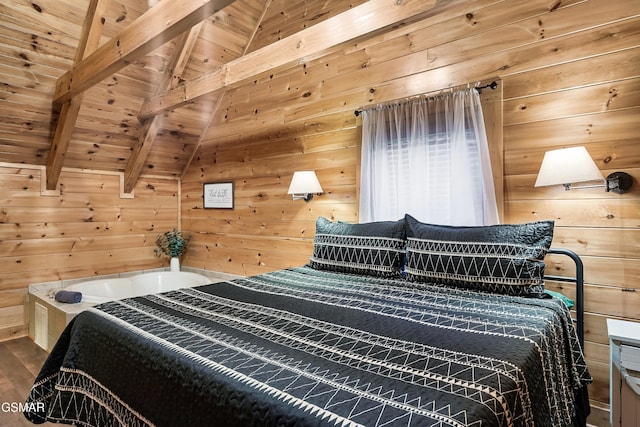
[(377, 330)]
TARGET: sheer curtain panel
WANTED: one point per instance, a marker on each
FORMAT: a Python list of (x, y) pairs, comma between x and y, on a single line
[(429, 158)]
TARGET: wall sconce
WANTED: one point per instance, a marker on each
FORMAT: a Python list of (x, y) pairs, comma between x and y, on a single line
[(570, 165), (303, 185)]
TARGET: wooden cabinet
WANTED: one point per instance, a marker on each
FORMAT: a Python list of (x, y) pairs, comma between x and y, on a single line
[(624, 344)]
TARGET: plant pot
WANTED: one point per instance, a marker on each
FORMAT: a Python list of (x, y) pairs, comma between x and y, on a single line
[(175, 264)]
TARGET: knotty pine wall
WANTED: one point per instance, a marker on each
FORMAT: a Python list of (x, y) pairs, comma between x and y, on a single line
[(569, 75), (593, 102), (267, 230), (87, 230)]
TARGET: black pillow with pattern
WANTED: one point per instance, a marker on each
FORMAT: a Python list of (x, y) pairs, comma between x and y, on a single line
[(373, 248), (506, 259)]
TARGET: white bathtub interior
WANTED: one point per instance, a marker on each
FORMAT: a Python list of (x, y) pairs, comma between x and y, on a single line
[(103, 290), (50, 317)]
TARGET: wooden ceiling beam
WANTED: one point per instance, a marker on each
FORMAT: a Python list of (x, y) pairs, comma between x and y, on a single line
[(362, 20), (69, 110), (216, 107), (256, 27), (148, 132), (158, 25), (150, 127)]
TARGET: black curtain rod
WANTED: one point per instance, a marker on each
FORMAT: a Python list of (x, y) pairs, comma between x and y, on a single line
[(493, 85)]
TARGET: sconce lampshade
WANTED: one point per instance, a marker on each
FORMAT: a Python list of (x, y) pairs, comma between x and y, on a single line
[(304, 184), (567, 166)]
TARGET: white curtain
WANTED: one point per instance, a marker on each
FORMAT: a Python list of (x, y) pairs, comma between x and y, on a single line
[(429, 158)]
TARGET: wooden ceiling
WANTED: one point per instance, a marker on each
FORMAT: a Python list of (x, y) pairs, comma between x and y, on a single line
[(136, 86)]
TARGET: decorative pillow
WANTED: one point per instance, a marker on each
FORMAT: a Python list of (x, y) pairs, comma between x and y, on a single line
[(504, 259), (374, 248)]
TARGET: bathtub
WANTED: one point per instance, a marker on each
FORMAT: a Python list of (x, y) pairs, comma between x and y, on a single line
[(103, 290)]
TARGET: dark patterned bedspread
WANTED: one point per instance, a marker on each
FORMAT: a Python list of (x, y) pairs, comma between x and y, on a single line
[(309, 348)]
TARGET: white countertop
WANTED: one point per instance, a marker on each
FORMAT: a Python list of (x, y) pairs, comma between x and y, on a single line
[(623, 330)]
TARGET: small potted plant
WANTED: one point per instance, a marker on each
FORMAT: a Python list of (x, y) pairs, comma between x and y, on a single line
[(172, 244)]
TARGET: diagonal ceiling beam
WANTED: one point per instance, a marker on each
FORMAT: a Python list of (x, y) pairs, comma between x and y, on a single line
[(216, 107), (68, 112), (367, 18), (158, 25), (150, 127), (256, 27)]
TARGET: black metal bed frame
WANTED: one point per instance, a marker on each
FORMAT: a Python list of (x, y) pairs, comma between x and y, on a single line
[(579, 282)]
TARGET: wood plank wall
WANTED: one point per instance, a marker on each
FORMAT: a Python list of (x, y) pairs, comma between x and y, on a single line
[(267, 230), (570, 75), (87, 230)]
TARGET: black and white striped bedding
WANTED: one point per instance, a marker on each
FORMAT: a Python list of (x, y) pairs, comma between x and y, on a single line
[(305, 347)]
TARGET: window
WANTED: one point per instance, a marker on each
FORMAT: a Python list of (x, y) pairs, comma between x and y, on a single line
[(429, 158)]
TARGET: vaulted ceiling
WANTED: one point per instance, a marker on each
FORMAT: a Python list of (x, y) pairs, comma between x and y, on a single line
[(137, 86)]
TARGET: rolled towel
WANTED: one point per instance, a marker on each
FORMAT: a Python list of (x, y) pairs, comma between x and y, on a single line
[(69, 297)]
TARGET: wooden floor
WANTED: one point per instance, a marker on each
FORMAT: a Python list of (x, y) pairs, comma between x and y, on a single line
[(20, 362)]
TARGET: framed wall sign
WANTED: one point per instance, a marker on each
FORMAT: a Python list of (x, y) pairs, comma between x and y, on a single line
[(218, 195)]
